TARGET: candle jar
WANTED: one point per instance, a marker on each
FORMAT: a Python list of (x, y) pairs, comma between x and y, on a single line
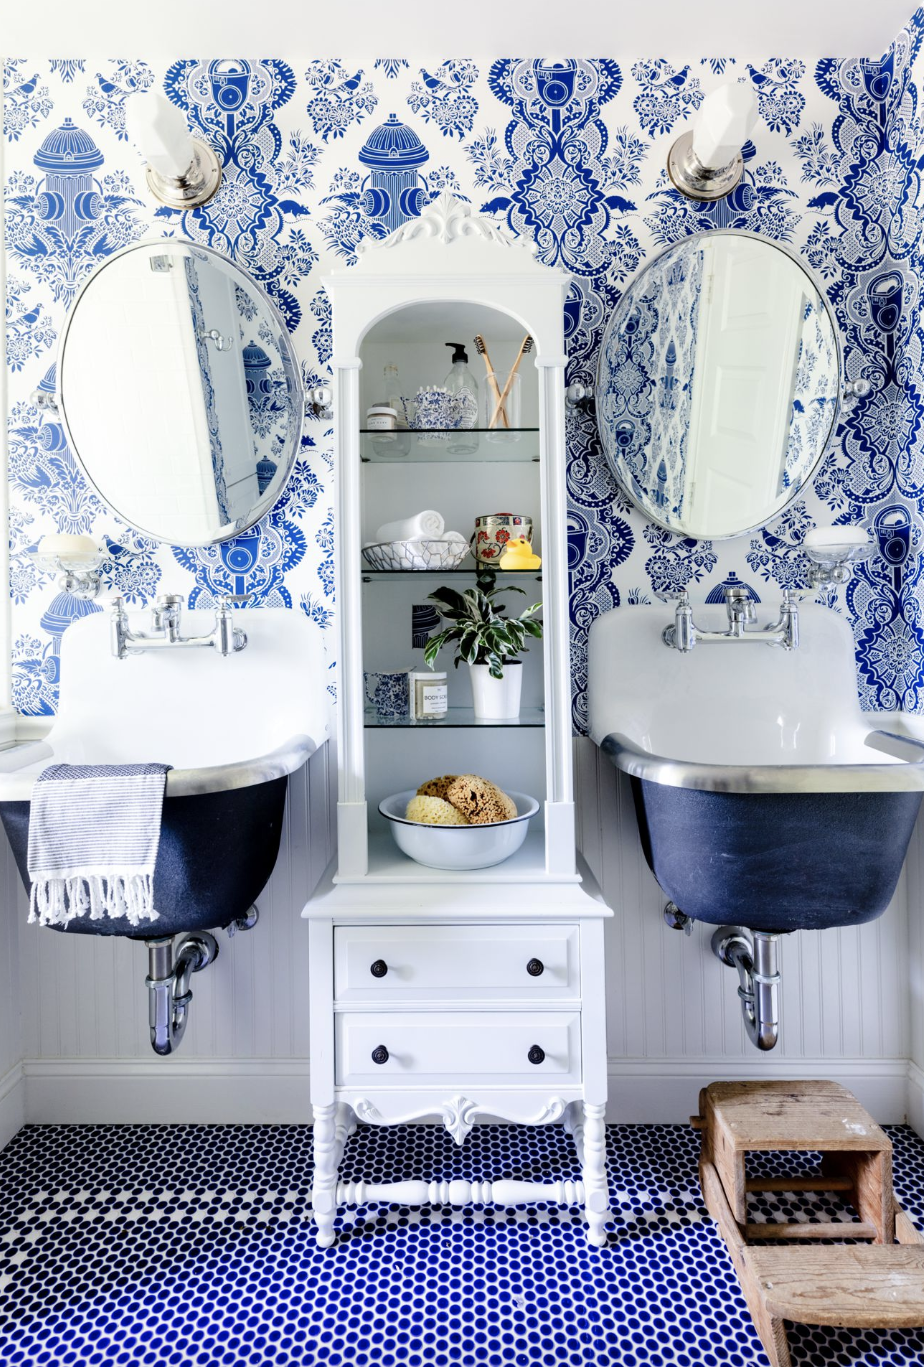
[(429, 693)]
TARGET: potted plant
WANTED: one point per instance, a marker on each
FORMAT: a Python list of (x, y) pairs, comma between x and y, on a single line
[(488, 642)]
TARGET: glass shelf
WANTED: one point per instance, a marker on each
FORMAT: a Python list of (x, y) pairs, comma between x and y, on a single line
[(456, 717), (499, 576), (437, 444)]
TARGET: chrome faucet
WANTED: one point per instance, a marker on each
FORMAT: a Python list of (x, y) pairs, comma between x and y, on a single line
[(165, 629), (742, 617)]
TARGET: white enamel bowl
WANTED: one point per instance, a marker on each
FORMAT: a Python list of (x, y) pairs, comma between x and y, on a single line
[(457, 847)]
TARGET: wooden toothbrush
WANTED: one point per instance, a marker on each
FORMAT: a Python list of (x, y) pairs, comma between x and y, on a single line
[(482, 350), (526, 347)]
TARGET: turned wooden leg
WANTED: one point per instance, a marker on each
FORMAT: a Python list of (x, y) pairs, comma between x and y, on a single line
[(592, 1151), (329, 1138)]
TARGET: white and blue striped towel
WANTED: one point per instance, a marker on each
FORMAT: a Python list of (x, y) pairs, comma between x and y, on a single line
[(94, 831)]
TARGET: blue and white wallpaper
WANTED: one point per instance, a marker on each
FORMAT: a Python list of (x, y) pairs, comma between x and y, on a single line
[(322, 154)]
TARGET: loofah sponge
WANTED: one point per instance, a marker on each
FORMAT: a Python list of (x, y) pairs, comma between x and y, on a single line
[(434, 811), (437, 787), (480, 800)]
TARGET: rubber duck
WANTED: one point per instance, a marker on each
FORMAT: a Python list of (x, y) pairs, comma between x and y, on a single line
[(518, 555)]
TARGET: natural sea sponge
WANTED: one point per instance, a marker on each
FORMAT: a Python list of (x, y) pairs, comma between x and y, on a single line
[(434, 811), (437, 787), (479, 800)]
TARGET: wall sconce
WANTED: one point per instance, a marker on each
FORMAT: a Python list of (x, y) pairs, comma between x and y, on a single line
[(78, 558), (182, 171), (706, 162), (832, 550)]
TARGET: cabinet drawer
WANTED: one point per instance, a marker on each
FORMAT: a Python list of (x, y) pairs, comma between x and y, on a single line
[(430, 1047), (456, 963)]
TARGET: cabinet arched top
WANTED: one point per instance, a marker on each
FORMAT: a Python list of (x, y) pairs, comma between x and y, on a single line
[(449, 253)]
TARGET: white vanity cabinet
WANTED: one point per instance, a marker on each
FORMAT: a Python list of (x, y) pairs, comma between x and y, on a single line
[(456, 996)]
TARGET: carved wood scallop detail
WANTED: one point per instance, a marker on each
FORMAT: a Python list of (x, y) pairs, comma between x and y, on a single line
[(448, 220), (459, 1114)]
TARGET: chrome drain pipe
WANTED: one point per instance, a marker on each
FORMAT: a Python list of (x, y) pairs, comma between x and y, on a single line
[(170, 967), (755, 954)]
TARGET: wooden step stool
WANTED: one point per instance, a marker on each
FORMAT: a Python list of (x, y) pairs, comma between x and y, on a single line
[(858, 1287)]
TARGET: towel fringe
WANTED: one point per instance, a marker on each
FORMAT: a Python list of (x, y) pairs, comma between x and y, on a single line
[(58, 901)]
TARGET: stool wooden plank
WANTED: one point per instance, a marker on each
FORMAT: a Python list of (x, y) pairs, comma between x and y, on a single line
[(879, 1285), (845, 1286), (743, 1117)]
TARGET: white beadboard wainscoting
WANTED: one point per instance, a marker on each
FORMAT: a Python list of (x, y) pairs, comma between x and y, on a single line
[(73, 1010)]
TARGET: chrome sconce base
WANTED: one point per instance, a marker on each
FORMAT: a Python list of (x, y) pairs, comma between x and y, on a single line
[(696, 181), (755, 954), (200, 183)]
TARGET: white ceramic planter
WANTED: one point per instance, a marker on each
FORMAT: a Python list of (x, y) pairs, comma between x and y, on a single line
[(496, 699)]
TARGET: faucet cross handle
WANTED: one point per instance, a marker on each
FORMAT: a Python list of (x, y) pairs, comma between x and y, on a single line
[(681, 596)]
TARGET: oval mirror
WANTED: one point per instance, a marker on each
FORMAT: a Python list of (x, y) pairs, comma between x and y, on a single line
[(718, 384), (180, 392)]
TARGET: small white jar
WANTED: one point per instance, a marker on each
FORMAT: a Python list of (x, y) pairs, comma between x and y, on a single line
[(381, 418)]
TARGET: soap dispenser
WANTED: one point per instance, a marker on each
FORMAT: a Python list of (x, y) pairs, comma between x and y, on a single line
[(463, 394)]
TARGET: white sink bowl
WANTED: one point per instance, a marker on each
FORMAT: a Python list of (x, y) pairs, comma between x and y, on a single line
[(221, 722), (457, 847), (232, 728)]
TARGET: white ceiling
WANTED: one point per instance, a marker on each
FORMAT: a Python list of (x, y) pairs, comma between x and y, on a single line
[(430, 29)]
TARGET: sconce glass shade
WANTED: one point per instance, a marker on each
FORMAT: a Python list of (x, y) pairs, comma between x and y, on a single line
[(182, 171), (724, 123), (159, 130), (705, 163)]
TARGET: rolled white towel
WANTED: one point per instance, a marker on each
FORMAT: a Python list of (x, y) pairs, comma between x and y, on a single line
[(454, 536), (427, 523)]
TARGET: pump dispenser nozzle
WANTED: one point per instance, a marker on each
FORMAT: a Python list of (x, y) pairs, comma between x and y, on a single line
[(463, 390)]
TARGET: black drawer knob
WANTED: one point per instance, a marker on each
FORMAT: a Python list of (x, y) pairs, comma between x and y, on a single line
[(380, 1054), (535, 968), (378, 968), (536, 1054)]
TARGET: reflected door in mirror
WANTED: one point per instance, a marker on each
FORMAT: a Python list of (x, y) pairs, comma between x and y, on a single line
[(180, 392), (718, 384)]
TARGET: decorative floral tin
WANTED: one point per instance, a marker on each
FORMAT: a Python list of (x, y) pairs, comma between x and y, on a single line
[(494, 530)]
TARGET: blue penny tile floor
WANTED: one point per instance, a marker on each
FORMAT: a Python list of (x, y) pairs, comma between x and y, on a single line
[(191, 1246)]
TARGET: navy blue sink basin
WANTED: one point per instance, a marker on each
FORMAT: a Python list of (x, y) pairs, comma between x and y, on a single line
[(233, 729), (765, 798)]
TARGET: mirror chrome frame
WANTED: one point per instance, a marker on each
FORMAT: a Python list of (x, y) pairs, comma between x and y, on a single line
[(620, 310), (290, 363)]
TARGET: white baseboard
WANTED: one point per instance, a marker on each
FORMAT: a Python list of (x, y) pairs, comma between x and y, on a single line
[(193, 1091), (12, 1104), (645, 1091)]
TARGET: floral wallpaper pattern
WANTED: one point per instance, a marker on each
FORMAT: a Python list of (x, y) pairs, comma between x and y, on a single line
[(320, 155)]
